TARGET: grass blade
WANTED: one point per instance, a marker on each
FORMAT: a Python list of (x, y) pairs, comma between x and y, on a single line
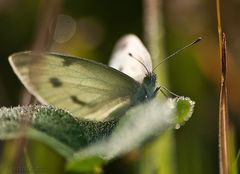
[(223, 116)]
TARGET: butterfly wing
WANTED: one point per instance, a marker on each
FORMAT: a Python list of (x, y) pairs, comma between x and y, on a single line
[(86, 88), (121, 60)]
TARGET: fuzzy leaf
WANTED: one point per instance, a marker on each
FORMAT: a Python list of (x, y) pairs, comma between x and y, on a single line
[(140, 124), (89, 144), (55, 127)]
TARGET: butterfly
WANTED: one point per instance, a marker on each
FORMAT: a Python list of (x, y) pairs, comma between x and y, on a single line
[(86, 88)]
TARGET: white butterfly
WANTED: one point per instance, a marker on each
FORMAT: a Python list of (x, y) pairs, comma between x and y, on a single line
[(86, 88)]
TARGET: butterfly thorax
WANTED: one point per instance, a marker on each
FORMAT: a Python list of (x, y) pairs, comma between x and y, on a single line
[(147, 89), (149, 84)]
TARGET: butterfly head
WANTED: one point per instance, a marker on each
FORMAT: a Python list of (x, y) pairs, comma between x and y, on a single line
[(149, 84), (149, 81)]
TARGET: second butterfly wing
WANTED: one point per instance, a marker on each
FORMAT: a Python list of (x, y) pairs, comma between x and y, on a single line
[(130, 65)]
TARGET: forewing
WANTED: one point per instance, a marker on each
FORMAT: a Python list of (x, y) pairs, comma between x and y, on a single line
[(121, 60), (87, 89)]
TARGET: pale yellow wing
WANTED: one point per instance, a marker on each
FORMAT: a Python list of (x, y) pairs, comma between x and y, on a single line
[(86, 88)]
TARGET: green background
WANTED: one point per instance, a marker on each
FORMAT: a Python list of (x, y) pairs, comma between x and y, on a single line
[(193, 73)]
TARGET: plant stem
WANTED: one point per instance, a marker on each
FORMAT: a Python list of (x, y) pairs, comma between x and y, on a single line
[(28, 162), (223, 103), (219, 26), (154, 33), (223, 116), (157, 157)]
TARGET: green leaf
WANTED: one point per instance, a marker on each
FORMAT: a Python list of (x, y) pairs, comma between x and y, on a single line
[(185, 108), (52, 126), (89, 144), (140, 124)]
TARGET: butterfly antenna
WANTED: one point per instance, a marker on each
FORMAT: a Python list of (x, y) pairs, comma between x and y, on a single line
[(177, 52), (130, 54)]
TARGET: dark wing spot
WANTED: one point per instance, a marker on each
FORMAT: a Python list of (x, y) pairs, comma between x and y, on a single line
[(55, 82), (67, 62), (77, 101)]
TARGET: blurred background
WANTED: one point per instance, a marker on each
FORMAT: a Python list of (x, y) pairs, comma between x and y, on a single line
[(90, 29)]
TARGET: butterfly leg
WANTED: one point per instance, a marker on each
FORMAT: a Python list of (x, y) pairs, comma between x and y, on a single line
[(164, 90), (156, 90)]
